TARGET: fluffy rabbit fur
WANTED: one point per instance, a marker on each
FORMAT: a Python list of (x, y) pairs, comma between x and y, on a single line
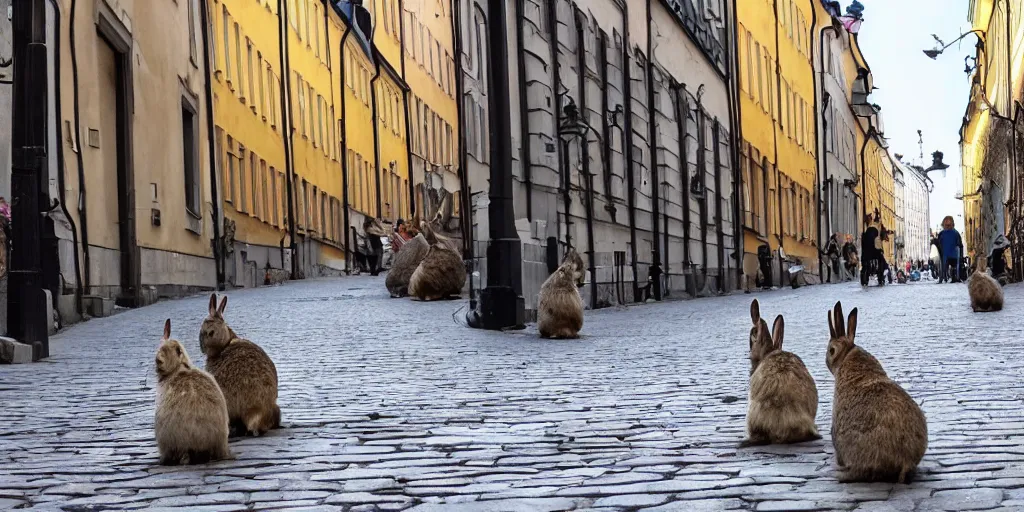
[(245, 373), (191, 423), (986, 293), (405, 264), (441, 274), (560, 307), (783, 397), (878, 430)]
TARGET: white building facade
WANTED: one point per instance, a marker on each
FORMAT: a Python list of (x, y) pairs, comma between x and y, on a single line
[(917, 245)]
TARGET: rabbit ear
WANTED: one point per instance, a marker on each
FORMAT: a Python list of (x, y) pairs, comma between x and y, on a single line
[(831, 326), (213, 304), (837, 317), (852, 330), (755, 312), (223, 305), (167, 329), (778, 329)]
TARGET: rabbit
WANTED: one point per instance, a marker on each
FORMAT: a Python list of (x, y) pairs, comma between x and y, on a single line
[(559, 304), (783, 397), (245, 373), (405, 264), (191, 423), (878, 431), (986, 293), (442, 273)]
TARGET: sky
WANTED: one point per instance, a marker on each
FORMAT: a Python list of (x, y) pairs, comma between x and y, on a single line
[(917, 93)]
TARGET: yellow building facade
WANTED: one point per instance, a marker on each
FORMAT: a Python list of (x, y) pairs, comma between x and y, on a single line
[(778, 159), (992, 185), (312, 130)]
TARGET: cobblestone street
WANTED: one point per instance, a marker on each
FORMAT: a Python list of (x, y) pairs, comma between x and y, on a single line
[(390, 405)]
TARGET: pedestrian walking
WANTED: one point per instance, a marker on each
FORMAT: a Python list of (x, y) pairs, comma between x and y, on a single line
[(831, 252), (374, 231), (951, 247)]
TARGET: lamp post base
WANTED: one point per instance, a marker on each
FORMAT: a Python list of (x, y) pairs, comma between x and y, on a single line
[(500, 308)]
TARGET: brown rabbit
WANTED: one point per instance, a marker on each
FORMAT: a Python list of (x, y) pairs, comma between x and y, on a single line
[(878, 431), (559, 305), (405, 264), (783, 397), (441, 274), (191, 423), (245, 373), (986, 293)]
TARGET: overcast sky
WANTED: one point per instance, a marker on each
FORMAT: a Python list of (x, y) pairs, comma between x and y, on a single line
[(917, 93)]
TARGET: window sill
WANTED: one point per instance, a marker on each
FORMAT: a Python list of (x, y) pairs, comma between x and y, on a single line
[(193, 222)]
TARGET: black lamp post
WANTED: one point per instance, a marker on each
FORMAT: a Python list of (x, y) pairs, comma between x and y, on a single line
[(935, 52), (27, 301), (501, 302)]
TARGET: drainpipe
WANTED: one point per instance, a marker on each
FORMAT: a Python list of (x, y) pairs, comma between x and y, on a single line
[(606, 128), (653, 153), (775, 136), (681, 123), (561, 151), (376, 131), (737, 134), (82, 210), (581, 63), (286, 127), (211, 133), (524, 110), (61, 168), (408, 132), (627, 139), (821, 158), (466, 204), (344, 152), (821, 103), (863, 174)]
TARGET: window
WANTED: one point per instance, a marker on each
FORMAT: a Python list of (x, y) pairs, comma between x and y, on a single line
[(250, 177), (241, 180), (273, 97), (760, 74), (301, 92), (320, 123), (229, 181), (238, 61), (316, 30), (272, 203), (225, 17), (312, 119), (305, 15), (292, 16), (190, 144), (192, 32), (263, 95), (252, 85), (264, 189), (323, 215)]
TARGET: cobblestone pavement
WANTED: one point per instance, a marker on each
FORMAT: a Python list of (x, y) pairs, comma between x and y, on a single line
[(390, 405)]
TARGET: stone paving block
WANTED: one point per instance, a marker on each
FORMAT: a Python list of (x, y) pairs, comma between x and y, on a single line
[(645, 411)]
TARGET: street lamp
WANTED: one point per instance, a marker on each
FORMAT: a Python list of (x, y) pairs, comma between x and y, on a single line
[(935, 52), (501, 302)]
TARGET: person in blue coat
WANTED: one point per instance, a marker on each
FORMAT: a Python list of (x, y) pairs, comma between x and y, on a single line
[(951, 247)]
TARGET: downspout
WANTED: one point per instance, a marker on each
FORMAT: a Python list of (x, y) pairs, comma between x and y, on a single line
[(524, 110), (653, 153), (376, 130), (61, 166), (82, 210), (408, 133), (682, 108), (821, 158), (466, 204), (863, 175), (820, 104), (627, 136), (561, 152), (344, 152), (211, 133), (1013, 125), (286, 128), (719, 221), (606, 128), (775, 136), (581, 64), (735, 144)]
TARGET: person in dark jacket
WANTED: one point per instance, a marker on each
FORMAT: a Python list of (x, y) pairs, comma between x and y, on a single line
[(951, 247)]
